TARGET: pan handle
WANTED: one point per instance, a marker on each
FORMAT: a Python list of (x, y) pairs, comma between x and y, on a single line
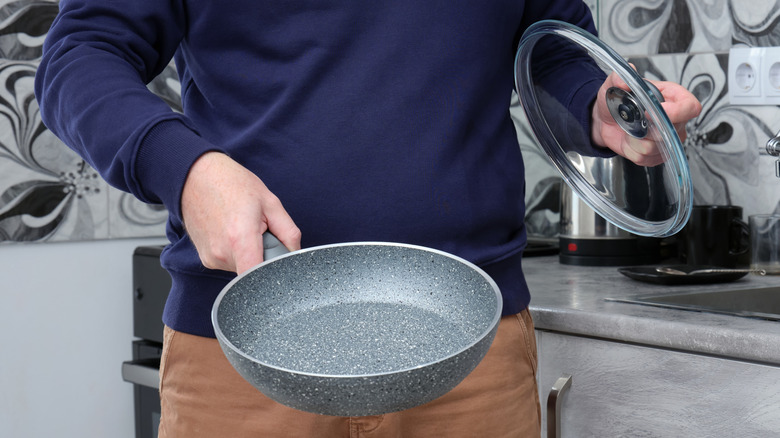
[(272, 247), (554, 406)]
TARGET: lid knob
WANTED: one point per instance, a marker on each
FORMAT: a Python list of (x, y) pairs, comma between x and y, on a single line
[(627, 112)]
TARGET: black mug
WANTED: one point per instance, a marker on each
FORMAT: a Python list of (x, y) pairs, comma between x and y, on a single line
[(716, 235)]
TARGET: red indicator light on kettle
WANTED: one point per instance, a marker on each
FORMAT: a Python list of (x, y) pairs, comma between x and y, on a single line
[(572, 247)]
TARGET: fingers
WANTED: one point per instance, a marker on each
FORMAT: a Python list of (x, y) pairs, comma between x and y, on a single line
[(226, 209), (281, 225), (247, 252), (679, 104), (681, 111), (247, 245), (643, 152), (614, 80), (607, 133)]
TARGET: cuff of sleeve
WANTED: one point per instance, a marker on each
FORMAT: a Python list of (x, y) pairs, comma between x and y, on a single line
[(164, 159)]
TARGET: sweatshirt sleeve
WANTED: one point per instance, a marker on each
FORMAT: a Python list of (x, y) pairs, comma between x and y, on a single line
[(570, 79), (91, 88)]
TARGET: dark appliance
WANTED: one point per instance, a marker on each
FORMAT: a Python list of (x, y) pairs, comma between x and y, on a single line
[(587, 239), (151, 284)]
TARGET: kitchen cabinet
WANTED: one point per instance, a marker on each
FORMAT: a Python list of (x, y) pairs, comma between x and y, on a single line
[(623, 389)]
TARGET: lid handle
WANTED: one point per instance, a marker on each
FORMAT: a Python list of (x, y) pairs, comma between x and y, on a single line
[(627, 112)]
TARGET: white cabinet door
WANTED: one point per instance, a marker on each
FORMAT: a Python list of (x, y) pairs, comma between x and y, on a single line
[(624, 390)]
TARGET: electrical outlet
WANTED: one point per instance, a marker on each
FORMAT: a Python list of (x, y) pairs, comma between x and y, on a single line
[(770, 75), (745, 83)]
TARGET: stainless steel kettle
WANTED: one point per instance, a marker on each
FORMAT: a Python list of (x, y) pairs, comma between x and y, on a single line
[(587, 239)]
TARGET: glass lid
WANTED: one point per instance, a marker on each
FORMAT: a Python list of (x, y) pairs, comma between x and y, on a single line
[(652, 199)]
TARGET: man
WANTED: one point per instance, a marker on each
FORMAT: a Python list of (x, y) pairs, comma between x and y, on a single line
[(323, 122)]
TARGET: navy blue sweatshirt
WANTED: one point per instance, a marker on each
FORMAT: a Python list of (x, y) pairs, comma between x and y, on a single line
[(371, 121)]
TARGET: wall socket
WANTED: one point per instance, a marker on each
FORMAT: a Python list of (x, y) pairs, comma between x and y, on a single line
[(754, 76)]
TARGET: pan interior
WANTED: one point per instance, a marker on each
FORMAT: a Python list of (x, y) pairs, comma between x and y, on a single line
[(358, 310)]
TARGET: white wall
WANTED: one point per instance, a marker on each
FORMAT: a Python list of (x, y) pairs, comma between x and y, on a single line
[(65, 328)]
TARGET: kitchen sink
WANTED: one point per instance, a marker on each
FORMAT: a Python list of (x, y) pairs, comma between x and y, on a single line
[(761, 302)]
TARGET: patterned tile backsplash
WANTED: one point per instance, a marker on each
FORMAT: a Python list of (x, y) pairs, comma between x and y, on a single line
[(47, 193), (725, 144), (687, 41)]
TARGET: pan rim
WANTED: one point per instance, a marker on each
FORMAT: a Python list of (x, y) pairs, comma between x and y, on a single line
[(494, 321)]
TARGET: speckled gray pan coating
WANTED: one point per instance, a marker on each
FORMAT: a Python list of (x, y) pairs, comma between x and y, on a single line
[(358, 329)]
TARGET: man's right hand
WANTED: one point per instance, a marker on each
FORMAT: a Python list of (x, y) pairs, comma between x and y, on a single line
[(226, 209)]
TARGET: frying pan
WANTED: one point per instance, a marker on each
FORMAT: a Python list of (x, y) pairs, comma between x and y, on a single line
[(357, 329)]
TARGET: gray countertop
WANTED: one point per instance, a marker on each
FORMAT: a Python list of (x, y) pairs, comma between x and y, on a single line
[(573, 299)]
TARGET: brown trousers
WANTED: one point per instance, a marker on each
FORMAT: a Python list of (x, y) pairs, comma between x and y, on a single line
[(203, 396)]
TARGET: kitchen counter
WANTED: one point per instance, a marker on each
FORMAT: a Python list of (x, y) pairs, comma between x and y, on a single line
[(572, 300)]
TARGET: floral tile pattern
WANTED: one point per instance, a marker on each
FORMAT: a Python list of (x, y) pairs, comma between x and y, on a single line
[(649, 27), (47, 192), (725, 144)]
